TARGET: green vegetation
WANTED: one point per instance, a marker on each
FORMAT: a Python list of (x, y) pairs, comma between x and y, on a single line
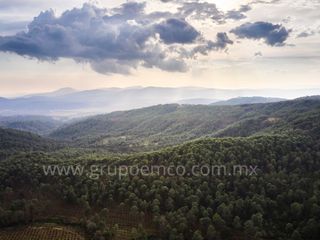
[(12, 141), (36, 124), (247, 100), (281, 201), (164, 125)]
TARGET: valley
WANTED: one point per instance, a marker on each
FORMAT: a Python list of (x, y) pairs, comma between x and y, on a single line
[(279, 201)]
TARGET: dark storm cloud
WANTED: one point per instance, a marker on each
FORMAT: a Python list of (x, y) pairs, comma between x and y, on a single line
[(272, 34)]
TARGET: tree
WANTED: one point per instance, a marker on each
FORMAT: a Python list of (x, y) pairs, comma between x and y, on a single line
[(296, 235), (134, 234), (104, 213), (98, 236), (197, 235), (249, 229), (142, 235), (257, 220), (237, 223), (211, 233), (205, 221), (218, 222), (296, 209), (169, 204), (91, 227)]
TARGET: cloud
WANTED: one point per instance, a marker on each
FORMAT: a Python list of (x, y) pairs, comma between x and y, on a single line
[(204, 11), (306, 34), (200, 10), (176, 31), (238, 14), (8, 27), (4, 4), (111, 40), (265, 1), (273, 34), (221, 42)]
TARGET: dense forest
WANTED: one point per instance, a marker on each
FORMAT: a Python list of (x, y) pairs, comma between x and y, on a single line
[(11, 139), (165, 125), (281, 200)]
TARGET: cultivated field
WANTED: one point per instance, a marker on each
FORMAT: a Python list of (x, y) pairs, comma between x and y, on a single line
[(44, 232)]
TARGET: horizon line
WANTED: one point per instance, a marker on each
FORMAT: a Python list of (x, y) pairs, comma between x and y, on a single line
[(28, 94)]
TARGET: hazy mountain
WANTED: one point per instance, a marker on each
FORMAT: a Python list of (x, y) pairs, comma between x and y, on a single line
[(69, 102), (163, 125), (41, 125), (59, 92), (196, 101), (247, 100)]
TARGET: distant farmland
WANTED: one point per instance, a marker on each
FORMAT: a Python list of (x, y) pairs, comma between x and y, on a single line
[(45, 232)]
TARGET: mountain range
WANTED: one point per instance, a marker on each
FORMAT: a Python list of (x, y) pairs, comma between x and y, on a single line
[(68, 102)]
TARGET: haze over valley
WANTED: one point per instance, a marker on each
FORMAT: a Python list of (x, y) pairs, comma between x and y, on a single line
[(68, 102)]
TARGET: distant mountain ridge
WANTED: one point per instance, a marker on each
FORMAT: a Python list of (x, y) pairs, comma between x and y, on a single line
[(196, 101), (70, 102), (247, 100), (56, 93)]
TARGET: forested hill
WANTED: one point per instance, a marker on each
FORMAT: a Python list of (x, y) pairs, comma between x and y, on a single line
[(247, 100), (36, 124), (14, 141), (280, 201), (163, 125)]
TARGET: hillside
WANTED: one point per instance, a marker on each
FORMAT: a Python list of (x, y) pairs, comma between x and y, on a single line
[(197, 101), (246, 100), (164, 125), (41, 125), (280, 200), (14, 141)]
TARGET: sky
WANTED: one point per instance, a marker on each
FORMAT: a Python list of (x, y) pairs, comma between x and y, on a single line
[(229, 44)]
